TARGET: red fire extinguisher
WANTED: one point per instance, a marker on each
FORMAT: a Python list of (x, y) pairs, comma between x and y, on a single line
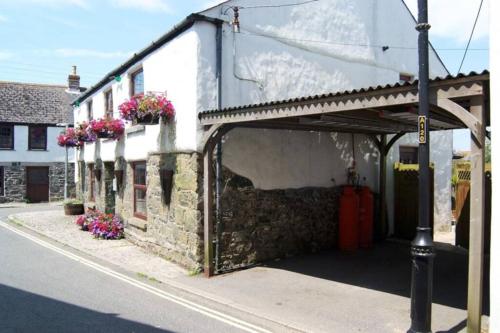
[(348, 219), (365, 217)]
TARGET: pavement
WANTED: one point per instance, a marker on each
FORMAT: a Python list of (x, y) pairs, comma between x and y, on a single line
[(365, 291)]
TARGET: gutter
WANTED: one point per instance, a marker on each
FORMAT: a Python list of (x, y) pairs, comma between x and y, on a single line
[(178, 29)]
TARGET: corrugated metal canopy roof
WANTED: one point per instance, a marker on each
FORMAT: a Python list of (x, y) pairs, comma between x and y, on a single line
[(377, 110)]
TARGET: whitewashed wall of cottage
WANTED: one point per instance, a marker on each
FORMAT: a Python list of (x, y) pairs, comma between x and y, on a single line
[(172, 69), (21, 153), (284, 65)]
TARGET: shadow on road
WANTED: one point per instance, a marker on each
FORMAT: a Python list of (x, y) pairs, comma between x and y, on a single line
[(21, 311), (387, 267)]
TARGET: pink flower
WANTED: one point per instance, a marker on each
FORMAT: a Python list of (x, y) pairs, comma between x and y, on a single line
[(107, 128), (142, 106)]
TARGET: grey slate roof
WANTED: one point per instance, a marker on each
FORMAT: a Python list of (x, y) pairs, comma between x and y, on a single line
[(35, 103)]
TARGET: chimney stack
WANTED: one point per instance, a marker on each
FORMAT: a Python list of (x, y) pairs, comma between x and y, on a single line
[(74, 81)]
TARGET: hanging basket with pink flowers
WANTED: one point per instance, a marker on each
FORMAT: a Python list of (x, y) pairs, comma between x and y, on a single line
[(147, 108), (84, 133), (107, 128), (69, 138)]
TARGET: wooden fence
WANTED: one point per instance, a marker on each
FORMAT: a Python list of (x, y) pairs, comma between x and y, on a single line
[(461, 171), (406, 200)]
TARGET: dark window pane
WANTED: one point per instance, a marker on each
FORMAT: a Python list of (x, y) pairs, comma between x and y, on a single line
[(140, 201), (408, 155), (38, 137), (109, 103), (90, 111), (6, 137), (138, 83), (140, 174)]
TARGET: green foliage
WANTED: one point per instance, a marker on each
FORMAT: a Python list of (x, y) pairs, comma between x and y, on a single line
[(194, 272), (487, 152), (73, 202)]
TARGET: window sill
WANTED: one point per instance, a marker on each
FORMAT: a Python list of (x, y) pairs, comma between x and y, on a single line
[(135, 129), (138, 223), (38, 150), (12, 149)]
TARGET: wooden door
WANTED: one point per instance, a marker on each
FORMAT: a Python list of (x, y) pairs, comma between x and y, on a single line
[(37, 184)]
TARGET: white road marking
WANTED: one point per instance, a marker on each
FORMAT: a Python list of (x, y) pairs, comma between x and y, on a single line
[(158, 292)]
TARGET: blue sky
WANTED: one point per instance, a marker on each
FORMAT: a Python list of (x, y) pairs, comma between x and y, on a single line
[(42, 39)]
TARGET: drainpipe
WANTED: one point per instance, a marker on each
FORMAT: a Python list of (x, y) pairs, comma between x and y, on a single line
[(218, 156), (422, 247)]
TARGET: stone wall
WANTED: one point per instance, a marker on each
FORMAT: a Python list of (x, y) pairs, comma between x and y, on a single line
[(56, 181), (177, 227), (173, 230), (15, 182), (259, 225), (80, 184), (124, 199), (108, 195), (99, 185)]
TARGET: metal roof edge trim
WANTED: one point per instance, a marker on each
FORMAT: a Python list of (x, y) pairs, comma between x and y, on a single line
[(167, 37)]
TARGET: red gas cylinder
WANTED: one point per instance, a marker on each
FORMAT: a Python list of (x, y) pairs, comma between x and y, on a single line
[(365, 217), (348, 220)]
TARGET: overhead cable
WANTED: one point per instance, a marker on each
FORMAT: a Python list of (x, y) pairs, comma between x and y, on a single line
[(470, 37)]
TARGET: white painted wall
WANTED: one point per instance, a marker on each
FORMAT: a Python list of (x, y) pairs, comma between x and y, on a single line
[(321, 159), (273, 59), (53, 154), (171, 69)]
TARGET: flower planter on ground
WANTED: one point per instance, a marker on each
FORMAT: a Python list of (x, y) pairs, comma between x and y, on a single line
[(101, 225), (73, 207)]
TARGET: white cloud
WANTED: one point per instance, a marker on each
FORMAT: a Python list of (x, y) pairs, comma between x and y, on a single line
[(67, 53), (4, 55), (146, 5), (454, 18)]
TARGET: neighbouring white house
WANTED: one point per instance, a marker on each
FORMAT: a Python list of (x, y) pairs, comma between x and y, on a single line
[(31, 162), (243, 52)]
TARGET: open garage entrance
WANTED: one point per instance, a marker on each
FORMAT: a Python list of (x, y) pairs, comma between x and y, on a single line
[(384, 114)]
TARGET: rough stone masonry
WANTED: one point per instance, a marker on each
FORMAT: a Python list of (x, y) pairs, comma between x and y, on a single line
[(257, 225)]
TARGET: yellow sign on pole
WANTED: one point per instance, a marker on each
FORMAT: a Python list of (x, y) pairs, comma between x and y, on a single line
[(422, 129)]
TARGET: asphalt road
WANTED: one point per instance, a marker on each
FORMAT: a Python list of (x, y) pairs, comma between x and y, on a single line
[(42, 290)]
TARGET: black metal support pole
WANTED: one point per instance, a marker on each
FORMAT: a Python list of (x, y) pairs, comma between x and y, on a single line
[(422, 248)]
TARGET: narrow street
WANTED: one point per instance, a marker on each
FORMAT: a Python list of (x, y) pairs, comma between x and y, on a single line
[(42, 290)]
